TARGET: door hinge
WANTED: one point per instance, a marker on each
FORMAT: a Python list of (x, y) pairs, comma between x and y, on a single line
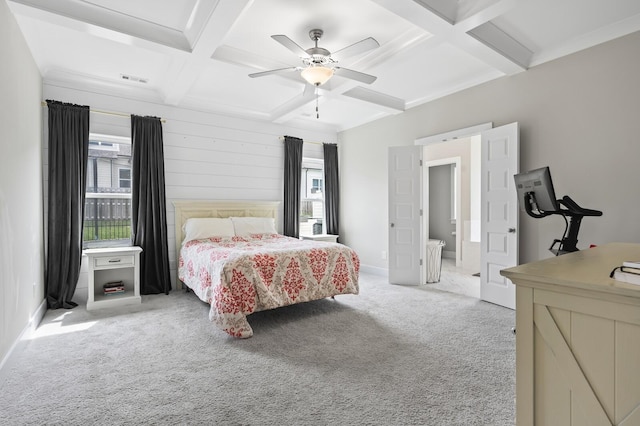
[(420, 212), (420, 262), (420, 162)]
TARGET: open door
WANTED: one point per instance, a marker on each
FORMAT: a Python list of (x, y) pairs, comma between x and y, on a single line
[(405, 221), (499, 213)]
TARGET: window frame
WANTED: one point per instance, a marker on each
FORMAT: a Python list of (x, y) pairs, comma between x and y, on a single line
[(108, 141), (309, 163), (121, 179)]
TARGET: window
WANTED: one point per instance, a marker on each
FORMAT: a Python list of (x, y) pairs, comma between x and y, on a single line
[(125, 178), (316, 186), (312, 198), (107, 217)]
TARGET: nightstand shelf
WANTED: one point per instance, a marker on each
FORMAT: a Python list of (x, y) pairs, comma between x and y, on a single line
[(113, 264)]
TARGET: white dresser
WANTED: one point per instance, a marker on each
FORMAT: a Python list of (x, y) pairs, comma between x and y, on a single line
[(577, 340), (109, 265)]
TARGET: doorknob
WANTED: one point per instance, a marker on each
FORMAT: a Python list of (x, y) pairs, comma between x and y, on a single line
[(512, 230), (392, 225)]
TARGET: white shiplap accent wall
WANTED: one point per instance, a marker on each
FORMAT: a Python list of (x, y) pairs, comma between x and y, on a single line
[(207, 156)]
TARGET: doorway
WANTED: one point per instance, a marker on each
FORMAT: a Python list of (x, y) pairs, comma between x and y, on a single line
[(443, 204), (452, 188), (408, 227), (498, 211)]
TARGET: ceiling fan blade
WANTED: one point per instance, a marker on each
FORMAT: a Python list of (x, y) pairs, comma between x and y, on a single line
[(278, 71), (354, 75), (357, 48), (291, 45)]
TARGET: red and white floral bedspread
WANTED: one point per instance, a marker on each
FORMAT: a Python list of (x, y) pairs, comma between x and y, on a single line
[(241, 275)]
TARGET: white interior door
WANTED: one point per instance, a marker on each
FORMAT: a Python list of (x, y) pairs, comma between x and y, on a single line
[(405, 222), (499, 213)]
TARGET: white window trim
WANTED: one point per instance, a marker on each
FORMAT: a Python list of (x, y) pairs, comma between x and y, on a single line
[(124, 140)]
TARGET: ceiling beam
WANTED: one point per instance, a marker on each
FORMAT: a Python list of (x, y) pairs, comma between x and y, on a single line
[(184, 75), (492, 36), (468, 20), (165, 41), (391, 103), (495, 48), (87, 15)]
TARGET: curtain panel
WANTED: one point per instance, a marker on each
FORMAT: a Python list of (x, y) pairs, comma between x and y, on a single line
[(68, 156), (148, 204), (331, 188), (292, 176)]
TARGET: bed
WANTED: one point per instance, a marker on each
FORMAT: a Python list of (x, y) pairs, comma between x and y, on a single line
[(231, 256)]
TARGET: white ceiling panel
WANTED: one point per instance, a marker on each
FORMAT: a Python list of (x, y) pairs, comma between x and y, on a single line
[(174, 14), (433, 71), (92, 56), (544, 24), (199, 53), (252, 93)]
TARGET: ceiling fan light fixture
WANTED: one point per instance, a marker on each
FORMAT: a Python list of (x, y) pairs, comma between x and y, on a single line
[(317, 76)]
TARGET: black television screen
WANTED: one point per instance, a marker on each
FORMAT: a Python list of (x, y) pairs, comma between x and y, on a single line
[(538, 182)]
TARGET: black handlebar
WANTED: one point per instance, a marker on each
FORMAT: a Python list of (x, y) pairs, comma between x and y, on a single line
[(571, 209), (574, 209)]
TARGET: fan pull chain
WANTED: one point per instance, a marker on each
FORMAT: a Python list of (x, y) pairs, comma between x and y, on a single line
[(317, 112)]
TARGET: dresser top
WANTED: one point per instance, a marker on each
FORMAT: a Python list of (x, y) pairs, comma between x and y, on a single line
[(587, 269), (111, 251)]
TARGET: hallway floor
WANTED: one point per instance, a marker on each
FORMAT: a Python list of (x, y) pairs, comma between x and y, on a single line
[(455, 280)]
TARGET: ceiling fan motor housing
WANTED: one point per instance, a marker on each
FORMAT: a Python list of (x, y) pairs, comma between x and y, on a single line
[(318, 56)]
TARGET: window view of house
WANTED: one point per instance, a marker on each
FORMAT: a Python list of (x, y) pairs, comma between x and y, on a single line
[(312, 198), (107, 218)]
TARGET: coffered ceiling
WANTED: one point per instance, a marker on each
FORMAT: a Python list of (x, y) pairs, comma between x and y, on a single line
[(198, 54)]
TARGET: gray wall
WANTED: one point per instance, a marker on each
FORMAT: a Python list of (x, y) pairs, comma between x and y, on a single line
[(440, 214), (21, 235), (580, 115)]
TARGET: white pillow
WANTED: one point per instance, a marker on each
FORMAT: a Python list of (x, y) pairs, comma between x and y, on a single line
[(207, 227), (245, 226)]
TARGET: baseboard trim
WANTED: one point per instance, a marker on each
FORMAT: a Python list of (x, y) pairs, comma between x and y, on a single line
[(28, 330), (448, 254), (382, 272)]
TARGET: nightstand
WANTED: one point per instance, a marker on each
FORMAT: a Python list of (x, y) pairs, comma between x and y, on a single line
[(321, 237), (113, 264)]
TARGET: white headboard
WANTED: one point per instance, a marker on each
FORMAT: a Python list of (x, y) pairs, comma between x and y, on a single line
[(203, 208)]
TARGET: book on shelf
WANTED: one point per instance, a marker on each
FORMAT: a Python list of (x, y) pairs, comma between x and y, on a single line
[(113, 287), (112, 284)]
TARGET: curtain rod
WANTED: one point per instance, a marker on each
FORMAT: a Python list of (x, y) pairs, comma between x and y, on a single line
[(97, 111), (305, 141)]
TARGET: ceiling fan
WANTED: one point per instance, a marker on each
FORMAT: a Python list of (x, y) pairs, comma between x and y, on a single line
[(318, 63)]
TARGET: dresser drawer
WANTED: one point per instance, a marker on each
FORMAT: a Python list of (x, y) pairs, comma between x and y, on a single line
[(101, 262)]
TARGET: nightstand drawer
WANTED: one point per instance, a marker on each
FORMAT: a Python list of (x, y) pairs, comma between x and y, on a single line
[(101, 262)]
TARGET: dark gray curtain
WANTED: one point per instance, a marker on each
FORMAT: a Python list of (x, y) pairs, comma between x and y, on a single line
[(68, 155), (331, 188), (292, 176), (148, 204)]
